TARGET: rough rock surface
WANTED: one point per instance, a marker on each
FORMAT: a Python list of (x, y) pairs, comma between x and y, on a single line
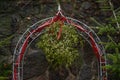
[(17, 16), (36, 67)]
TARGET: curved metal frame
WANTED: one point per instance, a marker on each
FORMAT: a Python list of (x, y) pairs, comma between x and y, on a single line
[(35, 30)]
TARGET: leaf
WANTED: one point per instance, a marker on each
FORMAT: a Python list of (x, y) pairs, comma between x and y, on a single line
[(108, 67), (112, 57)]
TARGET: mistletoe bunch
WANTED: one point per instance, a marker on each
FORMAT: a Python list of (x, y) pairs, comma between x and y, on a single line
[(60, 52)]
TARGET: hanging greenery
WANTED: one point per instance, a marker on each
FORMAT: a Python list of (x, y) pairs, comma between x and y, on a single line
[(60, 52)]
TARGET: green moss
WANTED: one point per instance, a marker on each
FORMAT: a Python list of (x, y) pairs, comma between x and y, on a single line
[(5, 27), (3, 78), (5, 42), (5, 70)]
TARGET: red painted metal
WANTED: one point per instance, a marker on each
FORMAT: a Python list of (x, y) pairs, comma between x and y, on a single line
[(61, 18), (24, 46), (95, 48), (91, 38)]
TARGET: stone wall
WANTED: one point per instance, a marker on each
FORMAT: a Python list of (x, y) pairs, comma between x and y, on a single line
[(16, 16)]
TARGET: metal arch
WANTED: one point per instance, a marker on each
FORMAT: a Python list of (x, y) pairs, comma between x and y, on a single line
[(90, 30), (18, 48), (91, 35), (35, 30)]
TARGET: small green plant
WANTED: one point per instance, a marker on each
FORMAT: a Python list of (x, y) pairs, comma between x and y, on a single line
[(107, 30), (6, 41), (114, 57), (60, 52), (111, 31), (114, 66), (5, 71)]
